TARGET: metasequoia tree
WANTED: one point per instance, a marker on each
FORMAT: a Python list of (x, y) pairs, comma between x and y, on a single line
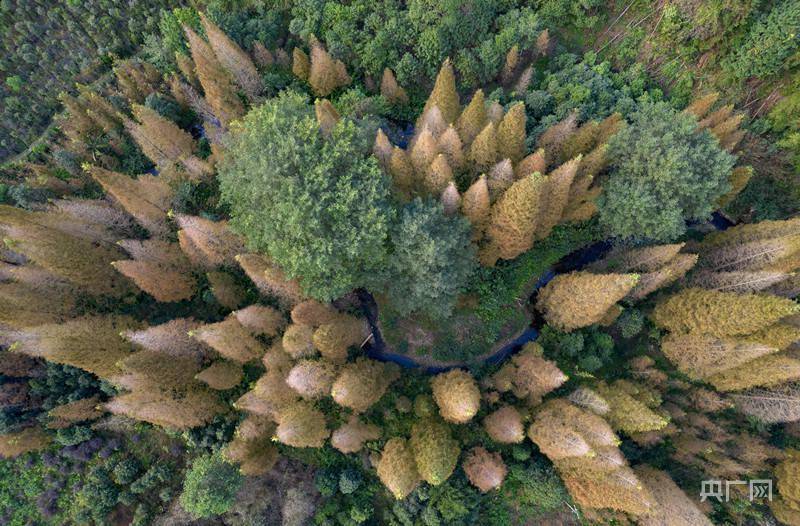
[(221, 375), (255, 456), (301, 64), (334, 339), (233, 59), (779, 404), (556, 192), (473, 119), (483, 150), (216, 81), (163, 283), (505, 425), (671, 505), (170, 338), (528, 375), (630, 410), (81, 410), (194, 408), (397, 468), (450, 199), (297, 341), (326, 73), (213, 242), (269, 279), (511, 134), (352, 435), (513, 218), (230, 339), (313, 313), (391, 90), (579, 299), (312, 379), (486, 471), (435, 450), (226, 290), (261, 320), (18, 443), (302, 425), (720, 314), (457, 395), (269, 397), (444, 94), (362, 383)]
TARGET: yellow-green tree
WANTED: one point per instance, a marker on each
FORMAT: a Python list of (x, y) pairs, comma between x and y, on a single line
[(444, 94), (457, 395), (435, 450), (513, 218), (397, 468), (511, 134)]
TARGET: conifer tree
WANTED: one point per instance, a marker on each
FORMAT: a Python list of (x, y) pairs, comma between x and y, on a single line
[(269, 397), (230, 339), (457, 395), (326, 73), (737, 281), (225, 289), (81, 410), (162, 140), (556, 189), (640, 259), (397, 468), (626, 413), (215, 243), (451, 199), (552, 140), (779, 404), (486, 471), (524, 80), (255, 456), (136, 79), (511, 134), (476, 206), (261, 320), (505, 425), (382, 149), (702, 356), (302, 425), (145, 198), (313, 313), (581, 142), (312, 379), (720, 314), (334, 339), (580, 299), (392, 91), (432, 120), (770, 370), (533, 376), (327, 116), (452, 147), (495, 113), (739, 178), (501, 177), (423, 152), (17, 443), (483, 150), (352, 435), (402, 171), (262, 55), (301, 64), (513, 217), (435, 450), (233, 59), (510, 65), (473, 119), (700, 106), (438, 175), (221, 375), (444, 94), (362, 383), (672, 505), (297, 341), (217, 85), (170, 338), (532, 163), (165, 284), (269, 279), (748, 232), (670, 273)]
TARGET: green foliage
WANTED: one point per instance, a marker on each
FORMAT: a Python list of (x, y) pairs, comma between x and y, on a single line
[(430, 262), (630, 323), (663, 173), (587, 349), (210, 486), (319, 208), (572, 13), (350, 480), (771, 44)]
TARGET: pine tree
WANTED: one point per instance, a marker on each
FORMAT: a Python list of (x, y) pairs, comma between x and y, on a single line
[(217, 85), (473, 119), (352, 435), (531, 164), (483, 150), (451, 146), (450, 199), (444, 94), (511, 134), (326, 73), (505, 425), (230, 340), (397, 468), (486, 471), (720, 314), (302, 425), (312, 379), (392, 91), (457, 395), (327, 116), (513, 217), (435, 450), (221, 375), (233, 59), (476, 206), (580, 299), (301, 64), (438, 175), (556, 189), (145, 198), (362, 383)]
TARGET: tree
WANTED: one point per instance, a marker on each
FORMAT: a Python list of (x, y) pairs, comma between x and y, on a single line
[(319, 208), (505, 425), (311, 379), (326, 73), (457, 395), (486, 471), (673, 506), (301, 424), (362, 383), (511, 134), (483, 150), (662, 173), (352, 435), (580, 299), (233, 59), (210, 486), (473, 119), (397, 468), (780, 404), (431, 260), (435, 450), (444, 94), (513, 218)]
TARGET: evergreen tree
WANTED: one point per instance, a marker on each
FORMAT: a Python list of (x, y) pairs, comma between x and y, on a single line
[(580, 299), (210, 487)]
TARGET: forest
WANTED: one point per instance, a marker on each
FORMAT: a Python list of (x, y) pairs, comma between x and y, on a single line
[(404, 263)]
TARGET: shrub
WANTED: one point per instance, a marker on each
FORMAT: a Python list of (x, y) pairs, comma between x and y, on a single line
[(663, 173), (210, 486)]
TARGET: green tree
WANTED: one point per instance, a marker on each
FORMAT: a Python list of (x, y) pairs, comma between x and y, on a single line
[(210, 486), (431, 260), (319, 207), (663, 173)]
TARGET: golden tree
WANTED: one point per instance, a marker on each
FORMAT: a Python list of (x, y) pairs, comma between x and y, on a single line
[(221, 375), (450, 199), (556, 192), (475, 206), (297, 341), (505, 425), (513, 218), (483, 150), (301, 64), (313, 313), (473, 119), (397, 468), (233, 59), (325, 73), (511, 134), (435, 451), (312, 379), (452, 147), (302, 425), (352, 435), (486, 471), (261, 320), (580, 299), (444, 94), (230, 339), (391, 90), (457, 395), (362, 383), (226, 290)]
